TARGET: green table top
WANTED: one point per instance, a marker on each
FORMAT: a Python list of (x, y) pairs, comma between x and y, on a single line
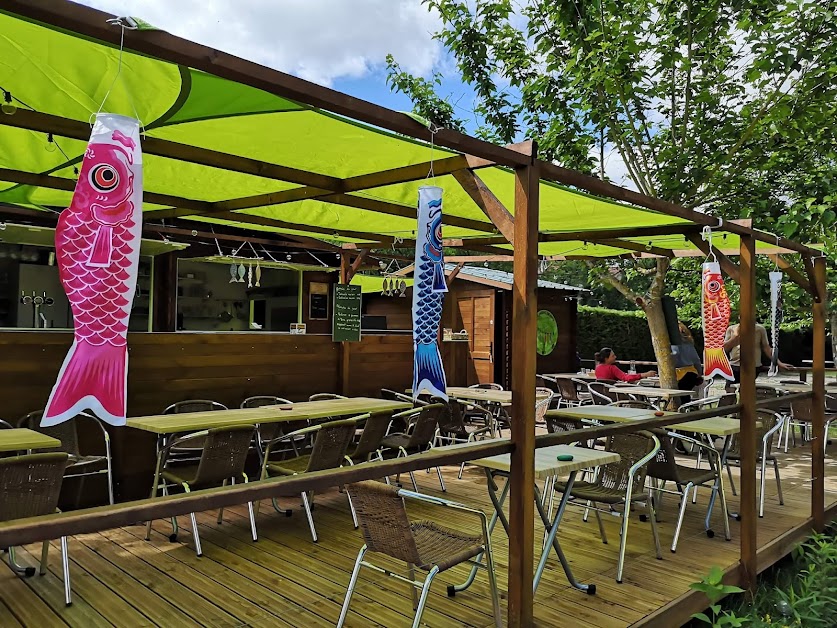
[(714, 426), (21, 439)]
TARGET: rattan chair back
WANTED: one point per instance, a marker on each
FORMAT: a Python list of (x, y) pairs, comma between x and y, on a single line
[(556, 424), (728, 399), (638, 404), (664, 465), (542, 404), (631, 449), (424, 427), (765, 421), (330, 444), (66, 432), (766, 392), (30, 485), (224, 454), (194, 405), (383, 520), (600, 391), (269, 431), (567, 389), (373, 433), (325, 396), (802, 410), (450, 420)]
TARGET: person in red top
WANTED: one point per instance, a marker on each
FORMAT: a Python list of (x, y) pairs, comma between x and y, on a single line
[(606, 368)]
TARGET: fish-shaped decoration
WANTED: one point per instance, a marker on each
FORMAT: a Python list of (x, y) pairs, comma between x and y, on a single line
[(776, 314), (428, 296), (241, 271), (233, 273), (258, 275), (402, 288), (716, 310), (250, 276), (97, 244)]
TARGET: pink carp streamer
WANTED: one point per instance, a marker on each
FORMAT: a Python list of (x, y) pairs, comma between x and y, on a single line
[(97, 244)]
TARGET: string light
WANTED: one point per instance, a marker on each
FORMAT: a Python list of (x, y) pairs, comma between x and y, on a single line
[(8, 108)]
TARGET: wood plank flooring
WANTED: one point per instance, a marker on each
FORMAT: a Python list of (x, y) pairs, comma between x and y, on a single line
[(120, 579)]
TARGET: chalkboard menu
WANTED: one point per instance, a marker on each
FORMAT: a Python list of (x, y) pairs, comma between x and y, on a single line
[(346, 326)]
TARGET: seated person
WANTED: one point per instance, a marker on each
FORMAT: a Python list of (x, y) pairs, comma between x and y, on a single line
[(606, 368), (687, 361)]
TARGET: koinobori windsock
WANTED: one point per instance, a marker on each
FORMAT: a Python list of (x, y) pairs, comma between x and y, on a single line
[(97, 244), (716, 311), (428, 295), (776, 313)]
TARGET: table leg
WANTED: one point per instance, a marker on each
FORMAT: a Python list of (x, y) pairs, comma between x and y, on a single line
[(498, 514), (719, 484), (552, 540)]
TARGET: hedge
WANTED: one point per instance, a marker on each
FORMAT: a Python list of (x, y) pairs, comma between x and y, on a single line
[(626, 332)]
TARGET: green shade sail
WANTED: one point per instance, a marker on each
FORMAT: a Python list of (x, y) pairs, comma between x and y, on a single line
[(66, 75)]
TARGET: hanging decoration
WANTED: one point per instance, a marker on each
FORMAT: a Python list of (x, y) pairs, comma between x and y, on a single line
[(716, 310), (97, 247), (428, 295), (776, 313)]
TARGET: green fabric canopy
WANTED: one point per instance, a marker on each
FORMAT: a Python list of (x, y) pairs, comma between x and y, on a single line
[(66, 75)]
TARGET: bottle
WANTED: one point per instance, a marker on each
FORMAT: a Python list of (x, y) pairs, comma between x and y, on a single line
[(632, 369)]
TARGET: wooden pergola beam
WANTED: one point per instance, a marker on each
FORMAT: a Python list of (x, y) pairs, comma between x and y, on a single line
[(808, 262), (635, 246), (68, 185), (455, 272), (355, 265), (729, 267), (794, 275), (487, 202), (74, 129)]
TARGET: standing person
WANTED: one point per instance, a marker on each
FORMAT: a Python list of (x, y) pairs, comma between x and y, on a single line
[(606, 368), (732, 344)]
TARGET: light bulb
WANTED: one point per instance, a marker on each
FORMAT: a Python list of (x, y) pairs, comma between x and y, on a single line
[(8, 108)]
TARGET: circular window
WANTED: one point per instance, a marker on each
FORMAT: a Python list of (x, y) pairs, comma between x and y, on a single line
[(547, 332)]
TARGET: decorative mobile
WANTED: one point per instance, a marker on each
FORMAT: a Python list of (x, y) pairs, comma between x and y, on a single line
[(716, 311), (97, 249), (428, 295), (776, 315)]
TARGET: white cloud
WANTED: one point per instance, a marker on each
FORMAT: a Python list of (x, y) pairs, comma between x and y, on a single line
[(318, 40)]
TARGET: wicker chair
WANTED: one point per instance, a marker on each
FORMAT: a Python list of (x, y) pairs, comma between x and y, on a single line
[(543, 400), (802, 413), (268, 431), (222, 460), (29, 487), (664, 468), (767, 424), (622, 483), (194, 405), (452, 429), (568, 393), (375, 427), (325, 397), (424, 545), (80, 465), (487, 386), (331, 442), (601, 393), (419, 437)]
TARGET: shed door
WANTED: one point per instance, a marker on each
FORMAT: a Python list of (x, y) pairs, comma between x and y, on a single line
[(477, 314)]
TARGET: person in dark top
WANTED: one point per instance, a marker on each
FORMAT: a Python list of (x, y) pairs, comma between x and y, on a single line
[(687, 361)]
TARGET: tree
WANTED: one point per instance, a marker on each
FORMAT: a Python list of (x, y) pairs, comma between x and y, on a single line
[(723, 106)]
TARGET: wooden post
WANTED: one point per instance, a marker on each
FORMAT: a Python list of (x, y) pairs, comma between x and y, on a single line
[(345, 350), (747, 395), (164, 315), (818, 401), (524, 317)]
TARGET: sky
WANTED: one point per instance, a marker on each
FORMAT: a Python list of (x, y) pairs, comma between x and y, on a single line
[(341, 44)]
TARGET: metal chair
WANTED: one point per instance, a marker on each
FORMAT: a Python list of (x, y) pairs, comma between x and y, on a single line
[(601, 394), (487, 386), (664, 468), (543, 399), (767, 424), (325, 396), (331, 442), (194, 405), (268, 431), (30, 487), (451, 427), (802, 414), (375, 427), (424, 545), (222, 460), (622, 484), (419, 437), (80, 465), (393, 395), (568, 392)]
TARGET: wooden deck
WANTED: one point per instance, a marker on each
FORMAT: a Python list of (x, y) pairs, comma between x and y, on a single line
[(120, 579)]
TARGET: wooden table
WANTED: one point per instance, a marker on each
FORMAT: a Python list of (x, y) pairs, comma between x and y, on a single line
[(713, 426), (584, 377), (804, 370), (486, 395), (547, 468), (830, 387), (652, 392), (195, 421), (22, 439)]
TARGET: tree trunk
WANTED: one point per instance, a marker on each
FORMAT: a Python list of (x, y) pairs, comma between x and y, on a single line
[(661, 342), (833, 319)]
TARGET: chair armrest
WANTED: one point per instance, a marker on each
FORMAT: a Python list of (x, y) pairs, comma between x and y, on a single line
[(646, 458), (438, 501), (101, 425), (179, 440)]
